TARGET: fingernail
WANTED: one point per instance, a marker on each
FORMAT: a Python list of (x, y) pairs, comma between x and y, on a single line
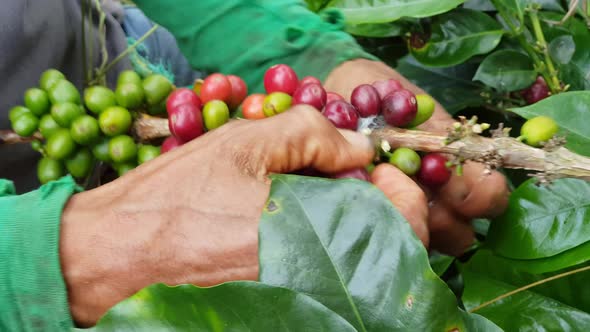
[(358, 140)]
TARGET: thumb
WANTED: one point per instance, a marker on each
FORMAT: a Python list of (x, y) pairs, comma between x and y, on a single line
[(305, 138)]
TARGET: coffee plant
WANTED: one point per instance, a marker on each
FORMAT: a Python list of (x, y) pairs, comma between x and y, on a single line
[(335, 255)]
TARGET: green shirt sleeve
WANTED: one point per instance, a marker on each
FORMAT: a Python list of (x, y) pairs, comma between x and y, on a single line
[(33, 294), (245, 37)]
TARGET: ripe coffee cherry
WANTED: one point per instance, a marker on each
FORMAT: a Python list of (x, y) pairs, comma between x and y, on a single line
[(216, 86), (538, 91), (312, 94), (399, 108), (425, 110), (239, 91), (275, 103), (309, 79), (170, 144), (280, 78), (538, 129), (386, 87), (434, 171), (182, 96), (252, 106), (359, 173), (331, 96), (186, 122), (342, 114), (366, 100), (407, 160)]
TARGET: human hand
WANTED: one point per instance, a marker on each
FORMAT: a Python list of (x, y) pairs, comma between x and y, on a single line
[(472, 195), (191, 215)]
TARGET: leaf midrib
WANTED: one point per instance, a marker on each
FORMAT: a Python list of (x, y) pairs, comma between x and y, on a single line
[(483, 33), (348, 296)]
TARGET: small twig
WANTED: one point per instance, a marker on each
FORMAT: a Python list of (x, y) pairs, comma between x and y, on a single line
[(521, 289), (8, 137), (507, 151), (552, 79), (102, 37), (125, 53)]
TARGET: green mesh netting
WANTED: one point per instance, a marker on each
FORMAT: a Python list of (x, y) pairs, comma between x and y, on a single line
[(143, 66)]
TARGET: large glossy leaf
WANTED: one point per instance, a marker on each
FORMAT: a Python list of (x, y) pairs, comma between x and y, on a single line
[(457, 36), (543, 221), (571, 290), (452, 86), (237, 306), (378, 30), (566, 259), (345, 245), (482, 5), (440, 263), (575, 72), (571, 111), (524, 311), (381, 11), (506, 70)]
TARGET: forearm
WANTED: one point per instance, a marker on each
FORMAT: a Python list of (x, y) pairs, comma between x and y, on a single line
[(32, 291)]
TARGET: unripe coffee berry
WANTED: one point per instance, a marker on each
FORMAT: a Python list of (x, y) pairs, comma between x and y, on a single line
[(425, 109), (275, 103), (407, 160), (538, 130)]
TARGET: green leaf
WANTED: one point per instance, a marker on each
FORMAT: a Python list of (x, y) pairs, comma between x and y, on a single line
[(440, 263), (316, 5), (344, 244), (452, 86), (506, 70), (236, 306), (543, 221), (571, 111), (382, 11), (378, 30), (576, 72), (566, 259), (481, 5), (457, 36), (525, 311), (571, 290), (562, 49)]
